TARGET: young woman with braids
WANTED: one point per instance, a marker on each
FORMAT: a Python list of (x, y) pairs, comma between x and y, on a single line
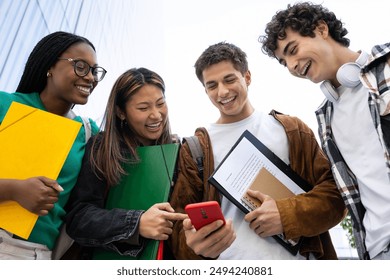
[(60, 72), (136, 115)]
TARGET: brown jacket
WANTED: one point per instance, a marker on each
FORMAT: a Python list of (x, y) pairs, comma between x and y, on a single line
[(309, 215)]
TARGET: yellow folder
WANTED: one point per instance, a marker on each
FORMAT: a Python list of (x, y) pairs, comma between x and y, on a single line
[(33, 143)]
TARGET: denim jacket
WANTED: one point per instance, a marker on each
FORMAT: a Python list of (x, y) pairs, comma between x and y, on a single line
[(375, 76), (91, 225)]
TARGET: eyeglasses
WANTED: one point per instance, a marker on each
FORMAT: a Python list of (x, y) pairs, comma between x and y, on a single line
[(82, 68)]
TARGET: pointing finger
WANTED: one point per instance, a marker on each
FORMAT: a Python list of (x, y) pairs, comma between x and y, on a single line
[(176, 216)]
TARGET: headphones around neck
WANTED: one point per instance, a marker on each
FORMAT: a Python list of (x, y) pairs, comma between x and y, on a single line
[(347, 75)]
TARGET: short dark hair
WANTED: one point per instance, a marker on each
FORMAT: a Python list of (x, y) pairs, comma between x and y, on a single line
[(303, 18), (43, 56), (221, 52)]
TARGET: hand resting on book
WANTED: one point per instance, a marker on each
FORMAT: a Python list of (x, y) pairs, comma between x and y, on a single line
[(264, 220)]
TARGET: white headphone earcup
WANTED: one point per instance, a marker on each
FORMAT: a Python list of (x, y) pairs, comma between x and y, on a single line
[(348, 74), (329, 91)]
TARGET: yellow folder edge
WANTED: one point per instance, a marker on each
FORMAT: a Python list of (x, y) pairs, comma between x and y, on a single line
[(33, 143)]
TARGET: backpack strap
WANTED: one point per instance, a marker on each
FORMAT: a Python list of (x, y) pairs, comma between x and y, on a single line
[(87, 128), (196, 152), (86, 122), (64, 242)]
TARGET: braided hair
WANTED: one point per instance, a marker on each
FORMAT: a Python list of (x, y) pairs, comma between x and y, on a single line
[(43, 56)]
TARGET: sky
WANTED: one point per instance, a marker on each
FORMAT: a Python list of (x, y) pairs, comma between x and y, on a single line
[(192, 27), (168, 39)]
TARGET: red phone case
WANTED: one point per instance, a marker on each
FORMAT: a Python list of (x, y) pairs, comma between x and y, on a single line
[(204, 213)]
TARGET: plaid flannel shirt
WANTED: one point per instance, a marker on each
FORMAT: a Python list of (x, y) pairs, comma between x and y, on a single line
[(375, 76)]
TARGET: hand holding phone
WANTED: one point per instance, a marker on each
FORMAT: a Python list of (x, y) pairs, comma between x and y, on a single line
[(204, 213)]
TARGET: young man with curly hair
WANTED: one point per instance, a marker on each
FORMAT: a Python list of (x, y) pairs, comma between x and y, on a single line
[(354, 119)]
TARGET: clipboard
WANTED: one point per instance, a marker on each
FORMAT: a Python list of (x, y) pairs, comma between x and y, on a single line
[(250, 164), (33, 143), (148, 182)]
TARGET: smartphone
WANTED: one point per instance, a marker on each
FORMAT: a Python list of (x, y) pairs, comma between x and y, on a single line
[(204, 213)]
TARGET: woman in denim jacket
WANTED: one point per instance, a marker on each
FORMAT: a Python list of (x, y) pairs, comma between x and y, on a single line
[(136, 115)]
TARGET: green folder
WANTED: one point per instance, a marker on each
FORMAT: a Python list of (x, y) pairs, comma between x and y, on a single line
[(148, 182)]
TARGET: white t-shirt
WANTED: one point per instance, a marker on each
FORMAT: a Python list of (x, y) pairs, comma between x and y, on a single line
[(248, 245), (358, 142)]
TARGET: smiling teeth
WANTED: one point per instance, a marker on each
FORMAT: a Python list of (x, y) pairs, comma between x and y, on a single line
[(154, 125), (227, 100), (304, 70), (84, 89)]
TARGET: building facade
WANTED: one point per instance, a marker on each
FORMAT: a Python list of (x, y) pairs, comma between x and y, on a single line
[(121, 31)]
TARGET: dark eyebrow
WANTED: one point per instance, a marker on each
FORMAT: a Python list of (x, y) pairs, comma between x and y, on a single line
[(209, 83), (142, 103), (230, 76), (287, 47)]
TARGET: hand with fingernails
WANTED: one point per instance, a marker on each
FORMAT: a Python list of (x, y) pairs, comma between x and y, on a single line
[(211, 240), (157, 222), (264, 220), (37, 194)]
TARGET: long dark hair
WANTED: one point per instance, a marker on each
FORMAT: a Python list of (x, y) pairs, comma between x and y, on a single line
[(108, 153), (44, 55)]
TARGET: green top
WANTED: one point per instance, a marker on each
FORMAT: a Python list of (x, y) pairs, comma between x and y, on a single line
[(46, 229)]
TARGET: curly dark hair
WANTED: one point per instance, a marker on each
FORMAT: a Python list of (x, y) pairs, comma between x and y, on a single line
[(302, 17), (221, 52)]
